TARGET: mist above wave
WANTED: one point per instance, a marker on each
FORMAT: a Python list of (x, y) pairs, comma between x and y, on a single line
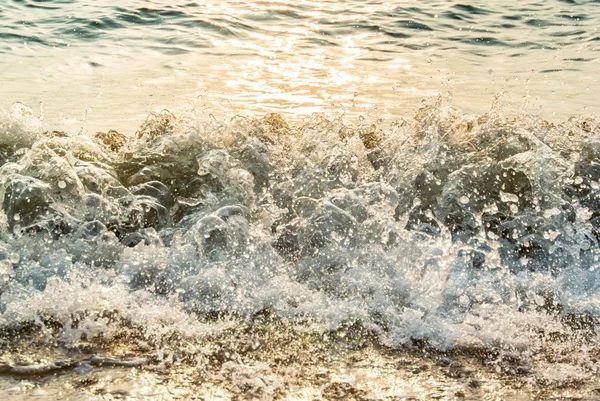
[(446, 228)]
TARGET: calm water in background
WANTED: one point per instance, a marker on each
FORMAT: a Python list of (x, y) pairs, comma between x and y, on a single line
[(104, 64)]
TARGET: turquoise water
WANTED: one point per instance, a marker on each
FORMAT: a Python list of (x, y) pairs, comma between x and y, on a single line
[(108, 65)]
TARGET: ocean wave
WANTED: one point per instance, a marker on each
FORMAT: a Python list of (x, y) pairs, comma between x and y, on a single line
[(448, 229)]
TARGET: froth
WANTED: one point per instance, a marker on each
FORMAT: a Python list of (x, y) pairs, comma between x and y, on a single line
[(450, 229)]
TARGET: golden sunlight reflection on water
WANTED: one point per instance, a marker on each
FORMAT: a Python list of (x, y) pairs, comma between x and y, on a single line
[(295, 58)]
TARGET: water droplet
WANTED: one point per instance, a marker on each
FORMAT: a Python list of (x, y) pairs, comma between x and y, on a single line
[(14, 258), (585, 245), (62, 184), (17, 217), (464, 200), (538, 299), (508, 197)]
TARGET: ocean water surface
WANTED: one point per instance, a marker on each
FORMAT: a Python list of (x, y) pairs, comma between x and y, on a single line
[(428, 171), (107, 65)]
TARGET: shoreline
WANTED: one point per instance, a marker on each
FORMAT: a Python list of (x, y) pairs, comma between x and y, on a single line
[(272, 361)]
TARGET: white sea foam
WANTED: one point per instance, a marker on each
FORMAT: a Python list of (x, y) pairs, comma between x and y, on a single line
[(324, 223)]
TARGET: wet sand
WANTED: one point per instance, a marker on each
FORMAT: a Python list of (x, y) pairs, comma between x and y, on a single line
[(273, 362)]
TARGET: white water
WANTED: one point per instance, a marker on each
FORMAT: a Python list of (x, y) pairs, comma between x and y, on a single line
[(324, 224)]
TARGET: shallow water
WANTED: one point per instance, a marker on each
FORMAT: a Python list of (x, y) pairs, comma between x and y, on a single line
[(467, 221), (105, 66)]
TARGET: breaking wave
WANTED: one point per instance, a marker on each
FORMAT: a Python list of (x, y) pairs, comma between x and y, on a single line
[(446, 229)]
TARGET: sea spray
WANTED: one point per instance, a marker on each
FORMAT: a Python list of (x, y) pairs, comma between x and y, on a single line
[(448, 230)]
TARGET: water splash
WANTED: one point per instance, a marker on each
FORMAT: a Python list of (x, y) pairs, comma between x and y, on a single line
[(448, 229)]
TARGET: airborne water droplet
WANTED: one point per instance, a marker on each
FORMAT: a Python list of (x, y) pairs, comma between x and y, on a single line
[(508, 197), (464, 200), (62, 184), (539, 300)]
